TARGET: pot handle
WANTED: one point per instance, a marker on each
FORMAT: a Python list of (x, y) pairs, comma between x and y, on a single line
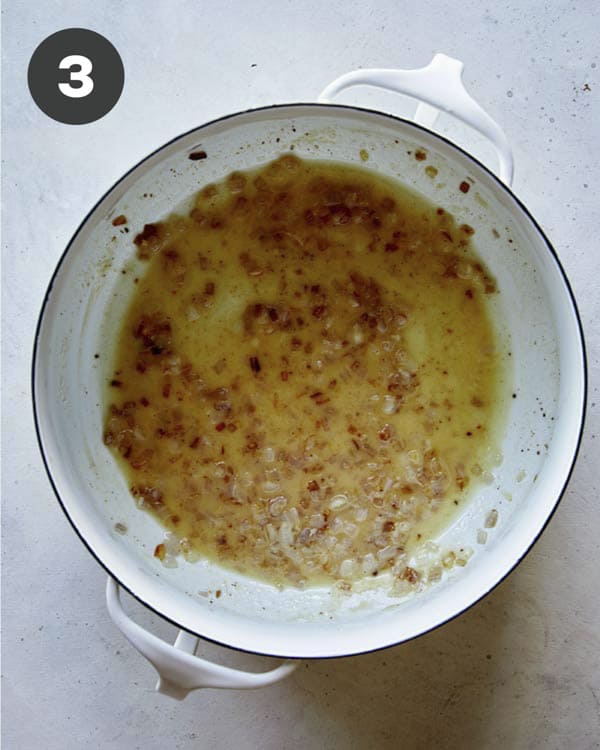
[(179, 670), (437, 86)]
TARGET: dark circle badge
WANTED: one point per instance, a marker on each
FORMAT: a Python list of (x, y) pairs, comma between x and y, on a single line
[(76, 76)]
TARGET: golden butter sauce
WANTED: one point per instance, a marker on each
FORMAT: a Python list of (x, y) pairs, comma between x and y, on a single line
[(306, 383)]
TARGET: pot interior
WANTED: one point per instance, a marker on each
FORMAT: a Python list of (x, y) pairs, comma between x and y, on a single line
[(537, 322)]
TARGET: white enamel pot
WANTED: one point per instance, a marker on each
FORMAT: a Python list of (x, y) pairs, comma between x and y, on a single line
[(538, 317)]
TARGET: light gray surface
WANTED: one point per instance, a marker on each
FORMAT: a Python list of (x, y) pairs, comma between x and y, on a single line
[(520, 669)]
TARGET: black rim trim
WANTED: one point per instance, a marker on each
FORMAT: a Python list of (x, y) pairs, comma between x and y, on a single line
[(499, 183)]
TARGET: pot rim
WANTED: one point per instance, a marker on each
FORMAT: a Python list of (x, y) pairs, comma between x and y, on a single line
[(503, 187)]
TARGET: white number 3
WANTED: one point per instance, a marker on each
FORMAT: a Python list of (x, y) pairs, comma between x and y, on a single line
[(81, 76)]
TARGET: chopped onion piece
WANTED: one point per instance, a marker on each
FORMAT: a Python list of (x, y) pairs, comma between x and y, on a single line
[(369, 563), (270, 532), (271, 487), (389, 404), (347, 569), (285, 534), (387, 553), (292, 517), (360, 514), (192, 314), (464, 270), (338, 501), (169, 560), (349, 530), (277, 505)]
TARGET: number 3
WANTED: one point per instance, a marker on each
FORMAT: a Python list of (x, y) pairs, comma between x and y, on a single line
[(82, 76)]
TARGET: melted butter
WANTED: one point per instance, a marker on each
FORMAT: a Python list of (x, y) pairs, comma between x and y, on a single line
[(307, 380)]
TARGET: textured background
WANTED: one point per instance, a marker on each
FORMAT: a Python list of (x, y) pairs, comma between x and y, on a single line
[(521, 668)]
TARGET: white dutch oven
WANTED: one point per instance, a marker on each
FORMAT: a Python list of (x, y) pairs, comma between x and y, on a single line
[(543, 427)]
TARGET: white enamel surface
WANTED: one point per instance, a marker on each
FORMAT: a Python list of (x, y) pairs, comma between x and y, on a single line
[(540, 328)]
